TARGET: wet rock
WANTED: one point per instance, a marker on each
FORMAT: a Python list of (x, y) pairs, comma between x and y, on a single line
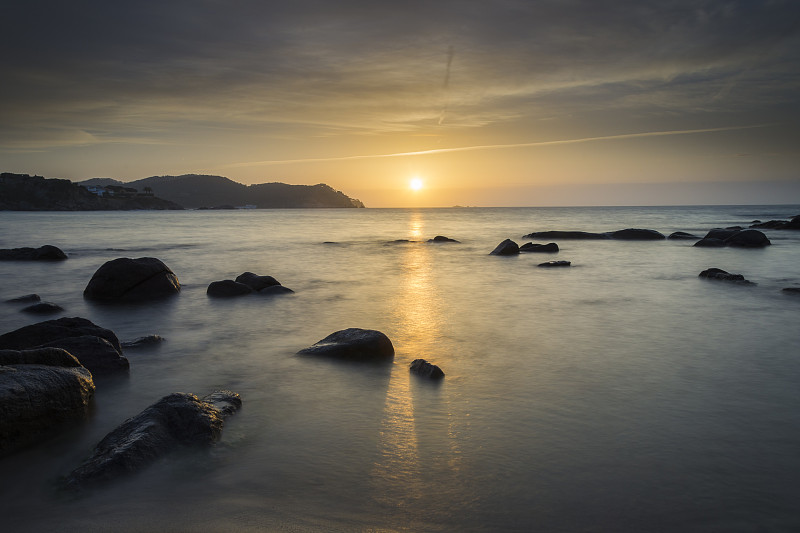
[(227, 288), (41, 391), (636, 234), (175, 421), (353, 344), (442, 239), (125, 279), (563, 235), (255, 281), (749, 238), (42, 308), (719, 274), (710, 243), (28, 298), (141, 342), (53, 330), (719, 233), (425, 369), (792, 290), (682, 235), (43, 253), (507, 247), (275, 290), (95, 353), (530, 247), (551, 264)]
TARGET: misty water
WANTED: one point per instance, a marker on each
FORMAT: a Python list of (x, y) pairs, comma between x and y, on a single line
[(621, 394)]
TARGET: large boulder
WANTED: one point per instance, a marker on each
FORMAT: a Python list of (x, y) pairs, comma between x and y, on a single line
[(125, 279), (51, 330), (561, 235), (227, 288), (175, 421), (530, 247), (255, 281), (95, 353), (636, 234), (507, 247), (43, 253), (353, 344), (748, 238), (41, 391)]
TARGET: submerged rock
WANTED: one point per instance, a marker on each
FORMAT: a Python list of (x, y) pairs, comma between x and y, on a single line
[(507, 247), (42, 308), (177, 420), (41, 390), (682, 235), (635, 234), (709, 242), (255, 281), (425, 369), (141, 342), (28, 298), (792, 290), (353, 344), (43, 253), (530, 247), (442, 238), (125, 279), (719, 274), (227, 288), (275, 290), (555, 264), (562, 235)]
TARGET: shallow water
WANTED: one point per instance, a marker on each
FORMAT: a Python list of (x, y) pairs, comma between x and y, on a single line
[(621, 394)]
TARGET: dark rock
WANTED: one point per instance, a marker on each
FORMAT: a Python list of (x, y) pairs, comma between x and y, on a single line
[(227, 288), (793, 224), (426, 369), (635, 234), (792, 290), (95, 353), (52, 330), (175, 421), (770, 224), (40, 392), (682, 235), (441, 238), (43, 253), (42, 308), (276, 290), (719, 274), (507, 247), (28, 298), (125, 279), (141, 342), (563, 235), (720, 234), (353, 344), (749, 238), (555, 264), (256, 282), (736, 228), (710, 243), (530, 247)]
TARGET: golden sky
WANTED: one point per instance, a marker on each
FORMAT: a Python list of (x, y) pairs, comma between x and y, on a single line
[(514, 102)]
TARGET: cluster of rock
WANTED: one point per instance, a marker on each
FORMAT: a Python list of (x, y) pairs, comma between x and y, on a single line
[(247, 283), (794, 224), (736, 237)]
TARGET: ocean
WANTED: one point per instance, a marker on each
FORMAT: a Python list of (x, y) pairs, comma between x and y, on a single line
[(621, 394)]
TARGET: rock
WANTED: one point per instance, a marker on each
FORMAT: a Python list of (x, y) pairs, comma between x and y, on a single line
[(28, 298), (353, 344), (175, 421), (749, 238), (276, 290), (555, 264), (794, 223), (52, 330), (682, 235), (635, 234), (710, 243), (42, 308), (227, 288), (43, 253), (507, 247), (530, 247), (125, 279), (770, 224), (441, 238), (256, 282), (425, 369), (721, 234), (718, 273), (562, 235), (95, 353), (141, 342), (792, 290), (40, 392)]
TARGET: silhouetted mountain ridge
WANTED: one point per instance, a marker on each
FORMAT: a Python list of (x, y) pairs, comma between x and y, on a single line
[(202, 190)]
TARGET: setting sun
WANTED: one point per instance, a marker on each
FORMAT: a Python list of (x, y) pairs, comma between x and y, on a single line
[(416, 184)]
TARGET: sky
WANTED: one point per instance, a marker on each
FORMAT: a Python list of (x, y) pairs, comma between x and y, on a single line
[(501, 103)]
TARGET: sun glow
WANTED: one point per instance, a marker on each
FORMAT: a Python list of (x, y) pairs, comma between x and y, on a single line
[(415, 184)]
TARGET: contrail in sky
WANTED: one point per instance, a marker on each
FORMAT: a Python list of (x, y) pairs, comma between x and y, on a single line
[(490, 147)]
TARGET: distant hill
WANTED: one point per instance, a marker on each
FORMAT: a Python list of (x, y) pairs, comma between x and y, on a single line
[(21, 192), (198, 191)]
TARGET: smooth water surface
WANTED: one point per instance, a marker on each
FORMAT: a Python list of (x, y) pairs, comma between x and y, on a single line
[(620, 394)]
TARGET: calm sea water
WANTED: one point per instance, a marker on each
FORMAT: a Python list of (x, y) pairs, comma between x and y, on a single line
[(622, 394)]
